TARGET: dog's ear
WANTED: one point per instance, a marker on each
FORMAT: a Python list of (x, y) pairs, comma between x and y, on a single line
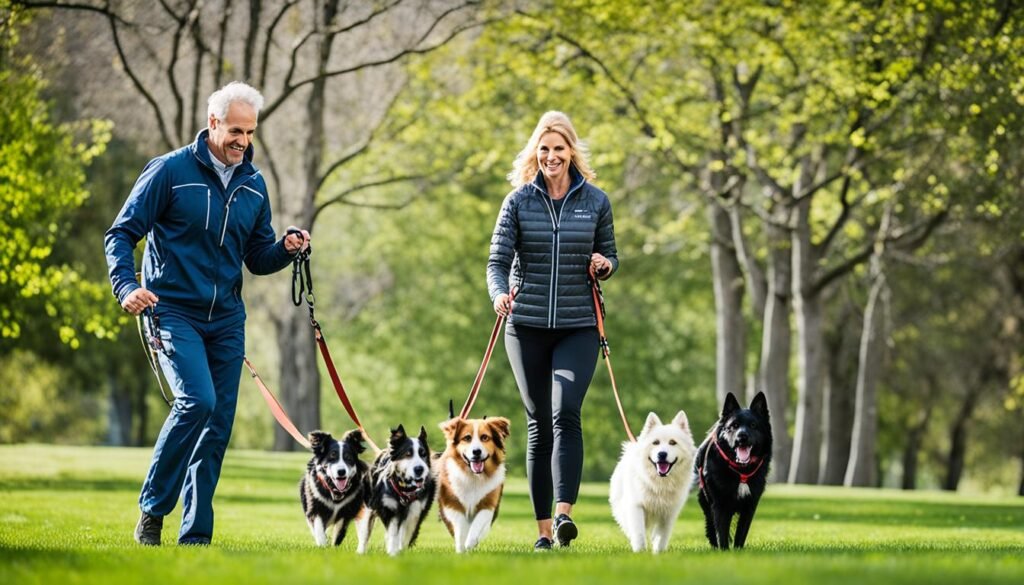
[(731, 405), (397, 434), (423, 437), (681, 421), (652, 421), (450, 428), (317, 440), (760, 405), (500, 425), (354, 439)]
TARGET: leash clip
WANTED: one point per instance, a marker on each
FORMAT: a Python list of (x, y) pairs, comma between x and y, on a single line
[(153, 337)]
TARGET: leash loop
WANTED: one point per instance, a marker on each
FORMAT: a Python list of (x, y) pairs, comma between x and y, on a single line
[(302, 278), (152, 342)]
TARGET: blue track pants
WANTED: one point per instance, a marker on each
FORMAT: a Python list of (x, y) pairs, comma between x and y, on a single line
[(203, 371)]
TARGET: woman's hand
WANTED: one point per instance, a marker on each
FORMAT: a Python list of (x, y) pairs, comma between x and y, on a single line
[(602, 266), (503, 305)]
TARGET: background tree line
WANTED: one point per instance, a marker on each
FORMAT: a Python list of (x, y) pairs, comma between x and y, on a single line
[(817, 200)]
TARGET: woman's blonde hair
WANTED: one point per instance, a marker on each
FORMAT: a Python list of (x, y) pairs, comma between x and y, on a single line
[(525, 167)]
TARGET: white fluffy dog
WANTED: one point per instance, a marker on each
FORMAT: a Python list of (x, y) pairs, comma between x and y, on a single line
[(652, 480)]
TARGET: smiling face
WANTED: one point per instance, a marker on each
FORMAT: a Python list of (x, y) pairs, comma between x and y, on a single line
[(337, 462), (478, 443), (230, 137), (668, 446), (553, 157), (410, 457), (745, 431)]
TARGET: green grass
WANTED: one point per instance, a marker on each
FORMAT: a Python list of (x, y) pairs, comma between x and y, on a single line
[(67, 514)]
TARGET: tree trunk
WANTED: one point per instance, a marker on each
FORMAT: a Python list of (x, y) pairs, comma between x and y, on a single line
[(958, 436), (1020, 489), (300, 376), (913, 448), (862, 469), (119, 414), (810, 345), (141, 407), (730, 345), (838, 407), (957, 450), (773, 376)]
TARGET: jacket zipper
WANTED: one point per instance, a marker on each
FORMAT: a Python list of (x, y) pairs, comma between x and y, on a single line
[(555, 253), (223, 232), (208, 196)]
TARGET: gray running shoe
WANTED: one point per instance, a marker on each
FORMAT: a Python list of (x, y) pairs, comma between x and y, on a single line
[(147, 531)]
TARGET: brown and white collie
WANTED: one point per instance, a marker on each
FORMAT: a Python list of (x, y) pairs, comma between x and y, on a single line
[(471, 477)]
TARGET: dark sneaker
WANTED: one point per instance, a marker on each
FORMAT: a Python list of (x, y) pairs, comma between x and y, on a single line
[(565, 530), (543, 543), (147, 531)]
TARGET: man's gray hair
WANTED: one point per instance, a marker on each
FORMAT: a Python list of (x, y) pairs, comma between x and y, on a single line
[(236, 91)]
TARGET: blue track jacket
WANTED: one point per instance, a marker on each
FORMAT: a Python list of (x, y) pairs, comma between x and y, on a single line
[(197, 233)]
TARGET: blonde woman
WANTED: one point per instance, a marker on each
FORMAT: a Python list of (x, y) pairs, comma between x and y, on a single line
[(551, 228)]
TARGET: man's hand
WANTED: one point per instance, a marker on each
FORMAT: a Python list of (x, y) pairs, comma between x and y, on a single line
[(295, 243), (138, 300)]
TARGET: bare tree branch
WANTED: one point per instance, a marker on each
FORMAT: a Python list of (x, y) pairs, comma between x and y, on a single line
[(289, 89), (342, 197), (104, 10), (268, 41)]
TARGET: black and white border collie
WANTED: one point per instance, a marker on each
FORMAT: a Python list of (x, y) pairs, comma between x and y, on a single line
[(401, 490), (333, 491)]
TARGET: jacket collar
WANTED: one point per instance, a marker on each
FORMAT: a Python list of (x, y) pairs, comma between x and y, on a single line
[(576, 180), (202, 151)]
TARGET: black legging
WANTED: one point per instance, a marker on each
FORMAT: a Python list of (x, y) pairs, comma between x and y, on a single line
[(553, 369)]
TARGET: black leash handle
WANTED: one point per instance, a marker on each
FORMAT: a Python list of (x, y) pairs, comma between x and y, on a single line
[(302, 279)]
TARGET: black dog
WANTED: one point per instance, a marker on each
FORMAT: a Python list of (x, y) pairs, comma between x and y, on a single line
[(402, 488), (732, 469), (333, 491)]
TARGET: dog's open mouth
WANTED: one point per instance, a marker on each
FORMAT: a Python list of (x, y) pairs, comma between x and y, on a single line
[(743, 455), (663, 467), (340, 483), (476, 465)]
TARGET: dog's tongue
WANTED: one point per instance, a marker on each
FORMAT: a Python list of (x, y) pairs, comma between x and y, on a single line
[(742, 454), (340, 483), (663, 467), (477, 466)]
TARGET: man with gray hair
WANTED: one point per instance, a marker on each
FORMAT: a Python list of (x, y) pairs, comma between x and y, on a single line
[(204, 211)]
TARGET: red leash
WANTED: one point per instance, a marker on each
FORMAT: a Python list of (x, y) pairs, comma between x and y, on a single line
[(276, 409), (464, 413), (595, 289), (339, 388), (302, 287)]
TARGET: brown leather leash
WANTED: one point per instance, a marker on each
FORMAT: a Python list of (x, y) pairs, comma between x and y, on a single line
[(479, 380), (275, 407), (595, 289), (302, 288)]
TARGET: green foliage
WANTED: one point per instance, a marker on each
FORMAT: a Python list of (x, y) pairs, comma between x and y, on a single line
[(36, 405), (41, 182), (69, 513)]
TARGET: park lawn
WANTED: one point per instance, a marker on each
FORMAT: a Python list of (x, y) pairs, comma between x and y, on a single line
[(67, 515)]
